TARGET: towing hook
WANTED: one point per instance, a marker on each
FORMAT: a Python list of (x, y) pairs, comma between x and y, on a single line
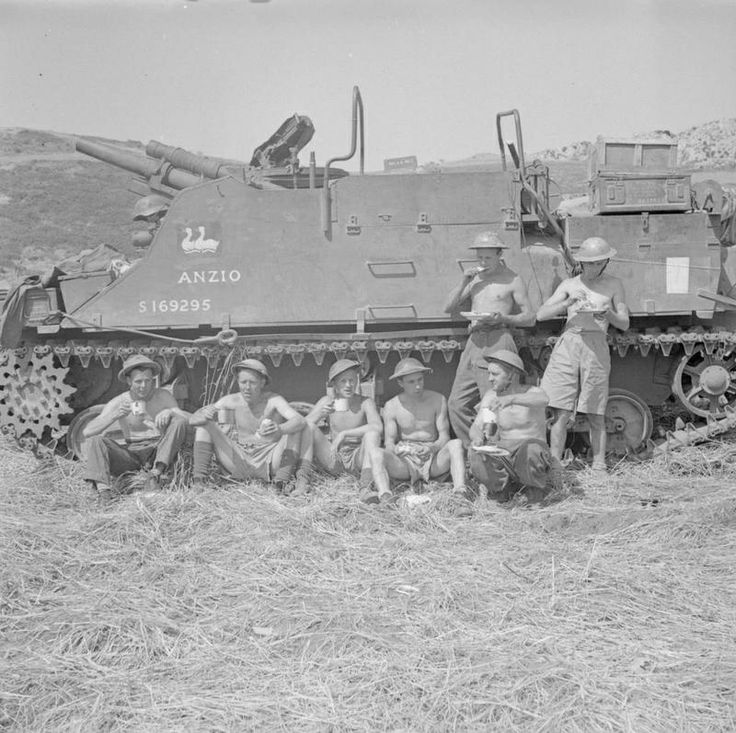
[(226, 337)]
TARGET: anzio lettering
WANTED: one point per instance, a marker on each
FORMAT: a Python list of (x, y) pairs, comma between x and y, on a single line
[(209, 276)]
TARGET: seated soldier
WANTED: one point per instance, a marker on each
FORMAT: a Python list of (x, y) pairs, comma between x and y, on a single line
[(261, 435), (417, 430), (511, 417), (355, 425), (153, 428)]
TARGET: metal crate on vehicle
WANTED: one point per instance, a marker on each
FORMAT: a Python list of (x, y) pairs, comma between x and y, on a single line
[(622, 192), (635, 156)]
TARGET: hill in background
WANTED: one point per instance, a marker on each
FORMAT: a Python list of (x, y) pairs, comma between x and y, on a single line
[(55, 202)]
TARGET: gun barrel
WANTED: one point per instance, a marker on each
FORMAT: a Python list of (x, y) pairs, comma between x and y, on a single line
[(140, 164), (200, 165)]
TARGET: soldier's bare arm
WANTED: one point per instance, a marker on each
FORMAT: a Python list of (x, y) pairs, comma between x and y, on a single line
[(557, 304), (526, 316), (618, 315)]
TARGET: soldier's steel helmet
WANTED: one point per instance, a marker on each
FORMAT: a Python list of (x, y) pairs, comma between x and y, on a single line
[(149, 205), (502, 356), (340, 366), (408, 366), (595, 249), (252, 365), (488, 240)]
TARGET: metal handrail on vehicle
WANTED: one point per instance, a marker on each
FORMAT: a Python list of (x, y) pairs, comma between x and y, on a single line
[(516, 150), (357, 126)]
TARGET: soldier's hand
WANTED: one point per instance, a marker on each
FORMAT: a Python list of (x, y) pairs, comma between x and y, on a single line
[(124, 408), (163, 418), (268, 427), (328, 408)]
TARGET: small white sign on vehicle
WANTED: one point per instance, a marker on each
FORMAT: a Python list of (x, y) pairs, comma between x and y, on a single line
[(678, 275)]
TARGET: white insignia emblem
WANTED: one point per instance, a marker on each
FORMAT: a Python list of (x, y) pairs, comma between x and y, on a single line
[(200, 245)]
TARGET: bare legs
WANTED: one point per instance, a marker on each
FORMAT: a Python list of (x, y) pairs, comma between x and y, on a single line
[(558, 436), (387, 465)]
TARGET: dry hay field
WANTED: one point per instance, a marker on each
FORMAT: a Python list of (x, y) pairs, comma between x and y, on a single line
[(612, 607)]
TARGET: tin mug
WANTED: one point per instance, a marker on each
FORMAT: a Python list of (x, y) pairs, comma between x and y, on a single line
[(341, 404)]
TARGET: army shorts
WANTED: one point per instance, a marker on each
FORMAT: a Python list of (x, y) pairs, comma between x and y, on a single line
[(576, 378)]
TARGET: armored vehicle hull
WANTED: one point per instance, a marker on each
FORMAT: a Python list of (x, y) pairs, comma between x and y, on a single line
[(302, 266)]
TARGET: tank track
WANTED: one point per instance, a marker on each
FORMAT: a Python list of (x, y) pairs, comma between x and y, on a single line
[(276, 349), (52, 393)]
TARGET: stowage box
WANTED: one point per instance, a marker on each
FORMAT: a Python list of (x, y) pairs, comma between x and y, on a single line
[(632, 192), (636, 156)]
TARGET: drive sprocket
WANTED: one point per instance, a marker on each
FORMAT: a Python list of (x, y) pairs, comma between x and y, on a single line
[(33, 394)]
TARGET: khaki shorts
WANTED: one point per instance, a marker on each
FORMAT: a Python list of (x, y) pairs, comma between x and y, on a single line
[(578, 372)]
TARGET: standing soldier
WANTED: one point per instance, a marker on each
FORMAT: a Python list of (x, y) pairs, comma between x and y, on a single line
[(576, 377), (494, 291)]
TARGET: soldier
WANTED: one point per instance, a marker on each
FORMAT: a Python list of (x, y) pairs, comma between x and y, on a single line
[(417, 436), (494, 291), (576, 377), (151, 210), (511, 418), (152, 425), (260, 434), (355, 425)]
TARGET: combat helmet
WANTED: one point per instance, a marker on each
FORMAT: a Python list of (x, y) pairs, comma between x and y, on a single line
[(149, 205), (595, 249), (488, 240)]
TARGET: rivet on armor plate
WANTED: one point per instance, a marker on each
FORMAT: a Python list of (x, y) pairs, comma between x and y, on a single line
[(149, 351), (382, 348), (426, 348), (41, 349), (255, 351), (339, 349), (404, 348)]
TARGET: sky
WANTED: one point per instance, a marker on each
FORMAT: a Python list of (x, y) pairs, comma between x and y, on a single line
[(219, 76)]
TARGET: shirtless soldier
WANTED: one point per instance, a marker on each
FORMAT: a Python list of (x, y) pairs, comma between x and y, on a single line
[(153, 428), (511, 417), (495, 290), (355, 425), (417, 436), (576, 377), (262, 436)]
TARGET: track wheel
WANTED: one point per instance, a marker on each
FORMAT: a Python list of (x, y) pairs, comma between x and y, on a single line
[(33, 394), (706, 383), (629, 422)]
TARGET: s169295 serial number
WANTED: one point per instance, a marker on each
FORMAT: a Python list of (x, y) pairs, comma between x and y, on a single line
[(181, 305)]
